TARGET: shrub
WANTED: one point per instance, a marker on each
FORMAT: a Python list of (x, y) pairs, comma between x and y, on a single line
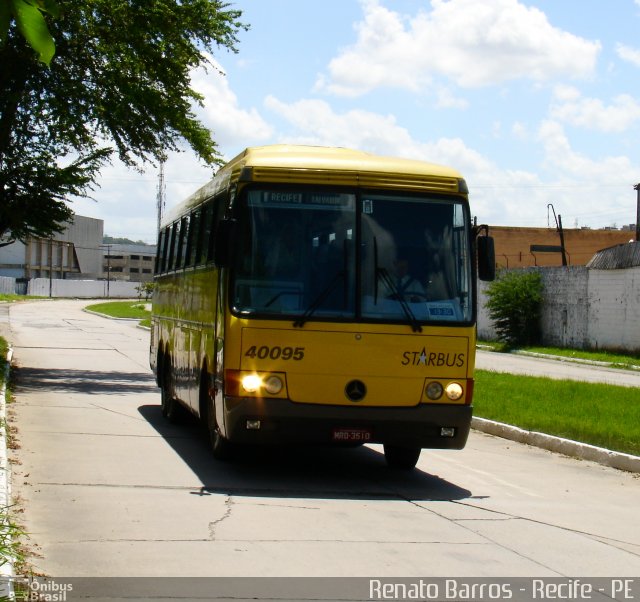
[(514, 304)]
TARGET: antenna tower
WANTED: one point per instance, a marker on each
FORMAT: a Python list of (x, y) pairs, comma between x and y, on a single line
[(162, 193)]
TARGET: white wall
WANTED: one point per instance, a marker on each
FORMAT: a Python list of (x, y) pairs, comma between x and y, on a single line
[(83, 289), (7, 285), (583, 308), (614, 302)]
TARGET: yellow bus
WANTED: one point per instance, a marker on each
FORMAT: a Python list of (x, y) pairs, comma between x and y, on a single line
[(321, 295)]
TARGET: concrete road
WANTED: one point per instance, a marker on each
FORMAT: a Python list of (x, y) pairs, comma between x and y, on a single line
[(523, 364), (109, 489)]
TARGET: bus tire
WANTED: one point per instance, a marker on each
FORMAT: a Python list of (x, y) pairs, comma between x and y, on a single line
[(221, 448), (171, 408), (403, 458)]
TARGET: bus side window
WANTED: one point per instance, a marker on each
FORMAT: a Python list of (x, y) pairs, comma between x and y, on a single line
[(158, 262), (165, 250), (175, 233), (182, 243), (216, 210), (194, 233), (205, 231)]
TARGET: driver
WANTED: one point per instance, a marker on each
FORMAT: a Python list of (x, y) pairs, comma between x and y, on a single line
[(407, 287)]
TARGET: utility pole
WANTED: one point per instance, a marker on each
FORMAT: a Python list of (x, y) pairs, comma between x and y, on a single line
[(637, 188), (162, 193), (108, 248), (558, 219)]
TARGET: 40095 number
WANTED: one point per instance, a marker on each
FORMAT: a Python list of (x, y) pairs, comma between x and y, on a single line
[(275, 353)]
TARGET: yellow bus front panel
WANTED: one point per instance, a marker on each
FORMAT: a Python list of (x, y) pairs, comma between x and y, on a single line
[(319, 364)]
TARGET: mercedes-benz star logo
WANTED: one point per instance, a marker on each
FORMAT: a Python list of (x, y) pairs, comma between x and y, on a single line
[(355, 390)]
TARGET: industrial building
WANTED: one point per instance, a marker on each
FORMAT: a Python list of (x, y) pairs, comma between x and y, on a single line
[(75, 252), (129, 262)]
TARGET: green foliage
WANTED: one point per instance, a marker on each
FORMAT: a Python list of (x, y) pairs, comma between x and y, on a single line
[(145, 289), (119, 83), (112, 240), (30, 23), (514, 304)]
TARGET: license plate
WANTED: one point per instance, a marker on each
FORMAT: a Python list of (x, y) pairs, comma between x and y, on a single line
[(352, 435)]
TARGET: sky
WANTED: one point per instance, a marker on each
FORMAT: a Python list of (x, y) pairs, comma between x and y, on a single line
[(534, 102)]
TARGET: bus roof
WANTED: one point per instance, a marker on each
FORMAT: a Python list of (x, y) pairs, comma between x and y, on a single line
[(325, 165), (334, 159)]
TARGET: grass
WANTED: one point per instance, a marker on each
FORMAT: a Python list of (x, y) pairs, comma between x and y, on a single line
[(4, 347), (10, 533), (621, 359), (11, 298), (599, 414), (122, 309)]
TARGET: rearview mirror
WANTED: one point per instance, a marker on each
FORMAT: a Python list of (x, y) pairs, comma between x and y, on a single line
[(486, 258)]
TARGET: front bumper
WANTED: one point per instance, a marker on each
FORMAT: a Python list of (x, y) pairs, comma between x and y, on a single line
[(283, 421)]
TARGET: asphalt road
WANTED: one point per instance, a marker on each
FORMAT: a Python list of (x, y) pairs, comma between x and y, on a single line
[(108, 489)]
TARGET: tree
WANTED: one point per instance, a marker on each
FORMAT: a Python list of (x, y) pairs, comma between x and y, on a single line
[(119, 84), (31, 24), (515, 304)]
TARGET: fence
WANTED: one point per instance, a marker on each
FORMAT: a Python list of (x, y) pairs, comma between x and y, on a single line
[(583, 308), (82, 289)]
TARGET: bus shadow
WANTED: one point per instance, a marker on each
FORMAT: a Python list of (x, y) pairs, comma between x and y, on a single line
[(298, 472), (87, 382)]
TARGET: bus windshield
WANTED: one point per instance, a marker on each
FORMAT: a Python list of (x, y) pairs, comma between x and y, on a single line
[(324, 253)]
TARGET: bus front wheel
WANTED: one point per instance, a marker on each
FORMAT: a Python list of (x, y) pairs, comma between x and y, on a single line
[(221, 448), (404, 458)]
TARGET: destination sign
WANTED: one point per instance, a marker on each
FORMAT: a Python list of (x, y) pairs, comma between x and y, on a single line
[(312, 200)]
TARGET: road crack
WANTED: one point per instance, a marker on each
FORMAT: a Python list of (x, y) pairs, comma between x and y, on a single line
[(213, 526)]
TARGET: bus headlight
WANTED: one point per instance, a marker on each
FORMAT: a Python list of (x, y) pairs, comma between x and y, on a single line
[(273, 385), (251, 383), (434, 390), (453, 391)]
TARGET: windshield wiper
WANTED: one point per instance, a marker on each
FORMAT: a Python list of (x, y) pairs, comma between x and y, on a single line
[(319, 300), (381, 273)]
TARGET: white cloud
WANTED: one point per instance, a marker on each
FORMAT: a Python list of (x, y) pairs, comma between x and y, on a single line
[(519, 131), (316, 122), (222, 113), (445, 99), (497, 196), (565, 163), (472, 43), (631, 55), (591, 113)]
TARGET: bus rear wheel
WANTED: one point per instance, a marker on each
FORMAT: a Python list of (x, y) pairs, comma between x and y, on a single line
[(171, 408), (403, 458)]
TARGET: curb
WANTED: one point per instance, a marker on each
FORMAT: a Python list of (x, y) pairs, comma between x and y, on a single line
[(97, 313), (6, 570), (563, 358), (584, 451)]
